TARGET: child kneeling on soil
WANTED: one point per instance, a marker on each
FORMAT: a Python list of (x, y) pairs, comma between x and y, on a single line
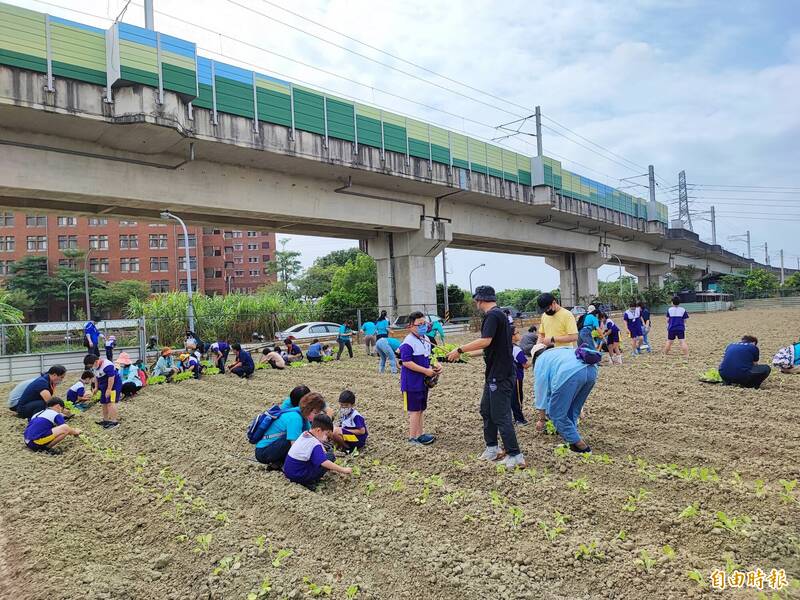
[(307, 460), (81, 392), (352, 433), (286, 429), (48, 427)]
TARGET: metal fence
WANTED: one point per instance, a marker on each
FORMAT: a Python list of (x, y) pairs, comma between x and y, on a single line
[(62, 336)]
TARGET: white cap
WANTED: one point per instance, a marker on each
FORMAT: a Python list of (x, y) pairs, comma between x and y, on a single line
[(591, 308)]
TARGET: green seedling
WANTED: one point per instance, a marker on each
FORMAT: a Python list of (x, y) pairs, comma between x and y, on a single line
[(581, 484), (281, 555), (212, 371), (561, 450), (496, 498), (458, 464), (589, 551), (500, 469), (668, 551), (469, 519), (260, 547), (181, 538), (369, 488), (732, 524), (423, 497), (787, 495), (551, 533), (453, 498), (203, 543), (736, 478), (632, 502), (549, 428), (198, 504), (183, 376), (644, 469), (155, 380), (697, 577), (435, 480), (561, 519), (690, 511), (221, 517), (622, 535), (598, 459), (517, 516), (316, 590), (731, 565), (398, 485), (356, 470), (376, 462), (226, 565), (645, 561), (351, 592), (263, 590), (760, 488)]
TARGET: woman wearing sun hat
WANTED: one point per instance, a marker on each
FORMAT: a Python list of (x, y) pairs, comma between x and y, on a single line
[(131, 382), (165, 365)]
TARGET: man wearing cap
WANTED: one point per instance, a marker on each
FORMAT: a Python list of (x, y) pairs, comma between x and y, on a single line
[(499, 389), (558, 327)]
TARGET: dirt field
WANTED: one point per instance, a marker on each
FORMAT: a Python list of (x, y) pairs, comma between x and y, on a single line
[(171, 506)]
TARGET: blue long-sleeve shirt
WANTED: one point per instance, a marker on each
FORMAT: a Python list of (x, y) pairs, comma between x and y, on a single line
[(552, 369)]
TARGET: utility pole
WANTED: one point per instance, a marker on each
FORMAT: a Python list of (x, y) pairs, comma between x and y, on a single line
[(148, 15), (651, 176), (444, 277), (783, 274), (713, 227), (766, 253), (538, 115), (683, 202), (749, 255)]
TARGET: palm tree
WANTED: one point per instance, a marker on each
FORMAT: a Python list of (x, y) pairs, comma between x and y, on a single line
[(9, 315)]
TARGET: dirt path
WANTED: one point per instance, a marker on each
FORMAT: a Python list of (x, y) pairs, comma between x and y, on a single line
[(168, 506)]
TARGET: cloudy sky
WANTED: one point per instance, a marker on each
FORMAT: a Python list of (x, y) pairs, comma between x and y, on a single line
[(712, 87)]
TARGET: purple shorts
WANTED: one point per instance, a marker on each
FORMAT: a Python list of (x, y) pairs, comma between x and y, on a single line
[(635, 329), (613, 337), (676, 333), (415, 401)]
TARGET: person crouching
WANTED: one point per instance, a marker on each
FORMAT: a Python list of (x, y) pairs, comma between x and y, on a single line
[(307, 461)]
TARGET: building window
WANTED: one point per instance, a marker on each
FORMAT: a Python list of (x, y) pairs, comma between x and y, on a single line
[(236, 234), (128, 223), (98, 242), (6, 219), (67, 221), (6, 243), (67, 242), (252, 234), (129, 265), (228, 264), (265, 245), (208, 230), (129, 242), (252, 259), (238, 273), (159, 263), (37, 243), (227, 235), (98, 221), (228, 249), (5, 267), (252, 246), (158, 240), (69, 263), (159, 286), (182, 263), (98, 265), (265, 258), (182, 285), (35, 221), (238, 247), (254, 273), (192, 241), (239, 260)]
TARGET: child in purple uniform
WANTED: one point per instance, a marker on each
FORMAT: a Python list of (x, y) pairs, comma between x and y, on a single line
[(633, 319), (415, 358), (676, 326), (48, 427), (610, 332), (521, 362), (81, 391), (352, 433), (307, 460)]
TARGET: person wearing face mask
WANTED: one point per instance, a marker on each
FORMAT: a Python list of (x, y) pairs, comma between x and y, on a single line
[(415, 358), (558, 327), (352, 433), (500, 388)]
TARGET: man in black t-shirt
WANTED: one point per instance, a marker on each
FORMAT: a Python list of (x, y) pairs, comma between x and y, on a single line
[(499, 390)]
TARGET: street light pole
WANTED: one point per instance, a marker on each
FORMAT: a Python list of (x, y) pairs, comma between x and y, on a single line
[(190, 306), (620, 274), (86, 283), (470, 275), (69, 285)]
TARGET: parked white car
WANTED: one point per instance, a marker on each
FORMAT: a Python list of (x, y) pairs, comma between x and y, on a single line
[(309, 331)]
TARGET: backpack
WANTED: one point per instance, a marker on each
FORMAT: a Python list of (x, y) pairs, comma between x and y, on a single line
[(260, 423), (581, 319), (588, 355)]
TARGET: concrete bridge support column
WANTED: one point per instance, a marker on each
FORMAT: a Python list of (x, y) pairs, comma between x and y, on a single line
[(406, 266), (578, 276), (649, 275)]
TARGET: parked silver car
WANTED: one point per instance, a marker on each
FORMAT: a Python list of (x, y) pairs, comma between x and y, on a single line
[(309, 331)]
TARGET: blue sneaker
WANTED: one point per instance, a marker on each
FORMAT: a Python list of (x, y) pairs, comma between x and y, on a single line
[(414, 442), (426, 438)]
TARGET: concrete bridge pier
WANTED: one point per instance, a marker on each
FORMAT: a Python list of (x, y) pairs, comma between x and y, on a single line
[(406, 266), (648, 275), (578, 275)]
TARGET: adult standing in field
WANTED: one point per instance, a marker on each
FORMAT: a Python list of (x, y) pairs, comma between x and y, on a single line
[(633, 320), (562, 383), (500, 386), (676, 326), (740, 364), (382, 326), (415, 358), (91, 336), (644, 313), (345, 339), (370, 336), (39, 391), (243, 365), (558, 326)]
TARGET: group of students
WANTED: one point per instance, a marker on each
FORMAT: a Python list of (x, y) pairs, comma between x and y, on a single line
[(298, 436)]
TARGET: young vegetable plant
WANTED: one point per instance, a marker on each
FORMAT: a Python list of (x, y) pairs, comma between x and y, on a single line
[(203, 543), (760, 488), (581, 484), (551, 533), (690, 511), (453, 497), (632, 503), (263, 590), (697, 577), (398, 485), (316, 590), (561, 450), (732, 524), (550, 428), (645, 561), (260, 541), (787, 494), (226, 565), (496, 498), (351, 592), (668, 551), (369, 488), (517, 516), (280, 556), (423, 497), (221, 517), (589, 551)]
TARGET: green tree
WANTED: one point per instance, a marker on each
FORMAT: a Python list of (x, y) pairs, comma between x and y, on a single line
[(20, 300), (286, 265), (29, 275), (9, 314), (116, 296), (733, 283), (317, 279), (338, 258), (355, 285), (459, 300), (522, 299), (792, 282), (618, 293), (65, 275), (681, 279), (761, 283)]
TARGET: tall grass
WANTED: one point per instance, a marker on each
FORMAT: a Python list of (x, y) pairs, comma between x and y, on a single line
[(233, 317)]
